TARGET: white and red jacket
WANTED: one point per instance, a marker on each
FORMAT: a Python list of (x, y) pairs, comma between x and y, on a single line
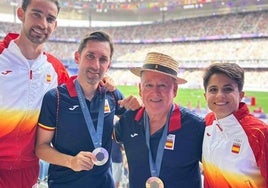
[(235, 151), (23, 84)]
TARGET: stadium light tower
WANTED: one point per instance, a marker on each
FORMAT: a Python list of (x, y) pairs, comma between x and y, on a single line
[(89, 19), (163, 10), (14, 6), (89, 15)]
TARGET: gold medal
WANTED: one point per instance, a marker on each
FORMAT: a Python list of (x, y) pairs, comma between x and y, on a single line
[(154, 182)]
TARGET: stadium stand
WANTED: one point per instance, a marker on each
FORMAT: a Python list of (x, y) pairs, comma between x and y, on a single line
[(196, 42)]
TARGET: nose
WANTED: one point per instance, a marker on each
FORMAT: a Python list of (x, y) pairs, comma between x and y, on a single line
[(43, 23), (95, 64), (220, 94)]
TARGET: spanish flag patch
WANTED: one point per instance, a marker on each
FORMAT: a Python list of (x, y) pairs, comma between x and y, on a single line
[(236, 148), (170, 142), (107, 106), (48, 78)]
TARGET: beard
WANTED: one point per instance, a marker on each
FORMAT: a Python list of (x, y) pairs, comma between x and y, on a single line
[(36, 35), (93, 77)]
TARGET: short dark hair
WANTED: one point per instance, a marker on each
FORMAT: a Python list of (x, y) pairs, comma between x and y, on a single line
[(96, 36), (232, 70), (25, 4)]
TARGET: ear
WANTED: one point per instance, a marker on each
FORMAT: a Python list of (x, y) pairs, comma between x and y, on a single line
[(76, 57), (20, 14), (175, 89), (242, 94), (140, 89), (205, 95)]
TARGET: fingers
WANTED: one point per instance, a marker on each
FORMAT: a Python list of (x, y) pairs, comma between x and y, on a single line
[(131, 102), (83, 161), (108, 83)]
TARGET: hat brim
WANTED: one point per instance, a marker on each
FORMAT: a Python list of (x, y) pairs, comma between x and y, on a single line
[(137, 71)]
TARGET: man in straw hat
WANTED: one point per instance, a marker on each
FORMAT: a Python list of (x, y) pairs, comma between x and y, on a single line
[(163, 141)]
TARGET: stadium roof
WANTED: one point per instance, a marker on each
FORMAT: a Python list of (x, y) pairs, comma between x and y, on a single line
[(144, 11)]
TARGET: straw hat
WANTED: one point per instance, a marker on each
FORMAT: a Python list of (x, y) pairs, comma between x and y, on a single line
[(161, 63)]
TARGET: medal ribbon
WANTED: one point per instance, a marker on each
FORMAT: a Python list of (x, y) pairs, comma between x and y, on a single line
[(96, 136), (156, 165)]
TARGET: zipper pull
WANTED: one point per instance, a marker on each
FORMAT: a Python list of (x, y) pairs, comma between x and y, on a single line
[(31, 74)]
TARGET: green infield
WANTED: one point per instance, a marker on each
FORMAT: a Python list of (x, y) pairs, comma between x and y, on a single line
[(194, 97)]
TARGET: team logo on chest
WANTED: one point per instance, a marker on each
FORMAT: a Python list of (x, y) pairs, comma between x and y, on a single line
[(107, 108), (6, 72)]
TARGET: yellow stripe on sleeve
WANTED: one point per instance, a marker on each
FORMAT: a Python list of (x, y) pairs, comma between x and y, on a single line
[(46, 127)]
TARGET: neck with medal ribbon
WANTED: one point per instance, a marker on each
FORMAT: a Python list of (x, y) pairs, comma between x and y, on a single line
[(100, 153), (154, 181)]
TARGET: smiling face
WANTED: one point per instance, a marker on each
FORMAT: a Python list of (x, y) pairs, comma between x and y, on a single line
[(157, 91), (39, 20), (222, 95), (93, 62)]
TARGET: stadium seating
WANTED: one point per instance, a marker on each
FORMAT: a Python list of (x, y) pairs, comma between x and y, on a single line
[(196, 42)]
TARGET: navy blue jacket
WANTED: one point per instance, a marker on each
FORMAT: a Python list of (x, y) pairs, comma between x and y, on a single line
[(180, 166), (72, 136)]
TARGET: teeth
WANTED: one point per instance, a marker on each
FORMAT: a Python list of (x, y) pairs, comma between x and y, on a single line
[(155, 100), (37, 31), (221, 103)]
